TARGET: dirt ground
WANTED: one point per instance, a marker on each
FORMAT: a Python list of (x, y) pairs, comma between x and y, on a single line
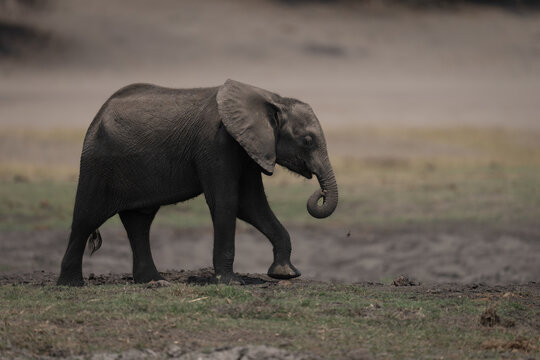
[(323, 254), (356, 63), (259, 282)]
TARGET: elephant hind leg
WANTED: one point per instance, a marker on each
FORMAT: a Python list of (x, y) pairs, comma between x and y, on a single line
[(71, 270), (89, 214), (137, 223)]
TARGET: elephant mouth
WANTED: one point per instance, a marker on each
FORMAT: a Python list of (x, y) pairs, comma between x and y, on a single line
[(299, 167), (305, 172)]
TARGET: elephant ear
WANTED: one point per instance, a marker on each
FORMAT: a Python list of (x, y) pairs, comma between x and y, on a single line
[(246, 112)]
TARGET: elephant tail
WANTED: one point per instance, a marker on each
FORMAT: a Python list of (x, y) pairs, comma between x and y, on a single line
[(94, 241)]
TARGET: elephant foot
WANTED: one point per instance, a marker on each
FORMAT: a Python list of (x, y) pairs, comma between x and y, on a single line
[(146, 277), (228, 279), (64, 280), (283, 271)]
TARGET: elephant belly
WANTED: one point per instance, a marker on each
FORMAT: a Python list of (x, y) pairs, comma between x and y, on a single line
[(155, 187), (185, 185), (128, 182)]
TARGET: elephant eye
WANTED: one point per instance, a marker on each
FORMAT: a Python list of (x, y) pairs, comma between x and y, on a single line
[(308, 141)]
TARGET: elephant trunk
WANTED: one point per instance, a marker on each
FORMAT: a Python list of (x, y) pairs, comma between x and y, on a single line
[(328, 193)]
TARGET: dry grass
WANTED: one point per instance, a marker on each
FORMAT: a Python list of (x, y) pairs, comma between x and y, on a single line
[(43, 154), (388, 177), (328, 319)]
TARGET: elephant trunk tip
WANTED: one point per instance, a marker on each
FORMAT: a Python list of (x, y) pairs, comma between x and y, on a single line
[(326, 208), (328, 191)]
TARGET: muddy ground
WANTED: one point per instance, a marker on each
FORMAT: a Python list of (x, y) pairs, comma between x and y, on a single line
[(204, 276), (341, 254)]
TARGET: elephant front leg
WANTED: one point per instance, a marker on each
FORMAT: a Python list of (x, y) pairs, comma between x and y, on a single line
[(281, 268), (223, 207), (223, 254), (254, 209)]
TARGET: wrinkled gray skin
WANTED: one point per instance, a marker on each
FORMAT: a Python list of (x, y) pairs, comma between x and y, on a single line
[(150, 146)]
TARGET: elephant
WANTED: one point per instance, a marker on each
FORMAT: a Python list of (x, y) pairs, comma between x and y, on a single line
[(150, 146)]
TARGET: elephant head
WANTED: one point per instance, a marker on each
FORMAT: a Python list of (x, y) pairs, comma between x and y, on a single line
[(273, 129)]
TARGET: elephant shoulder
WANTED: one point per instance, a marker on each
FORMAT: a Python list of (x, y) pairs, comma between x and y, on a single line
[(148, 112)]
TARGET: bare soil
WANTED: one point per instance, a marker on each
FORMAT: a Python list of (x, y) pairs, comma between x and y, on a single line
[(204, 276), (325, 254)]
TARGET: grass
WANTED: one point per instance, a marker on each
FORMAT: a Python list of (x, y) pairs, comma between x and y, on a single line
[(328, 319), (388, 177), (506, 197)]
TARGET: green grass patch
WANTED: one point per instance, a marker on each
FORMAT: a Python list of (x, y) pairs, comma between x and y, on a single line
[(327, 319), (388, 178), (499, 198)]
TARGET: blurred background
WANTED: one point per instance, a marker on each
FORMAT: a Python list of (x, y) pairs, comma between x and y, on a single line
[(430, 108)]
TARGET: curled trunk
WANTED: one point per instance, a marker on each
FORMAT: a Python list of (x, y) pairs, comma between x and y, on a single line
[(328, 193)]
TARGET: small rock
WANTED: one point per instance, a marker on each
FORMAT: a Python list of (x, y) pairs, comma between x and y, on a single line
[(133, 354), (158, 284), (151, 353), (284, 283), (104, 356), (174, 350), (259, 352)]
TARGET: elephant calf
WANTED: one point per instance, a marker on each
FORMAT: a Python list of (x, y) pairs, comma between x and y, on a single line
[(150, 146)]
